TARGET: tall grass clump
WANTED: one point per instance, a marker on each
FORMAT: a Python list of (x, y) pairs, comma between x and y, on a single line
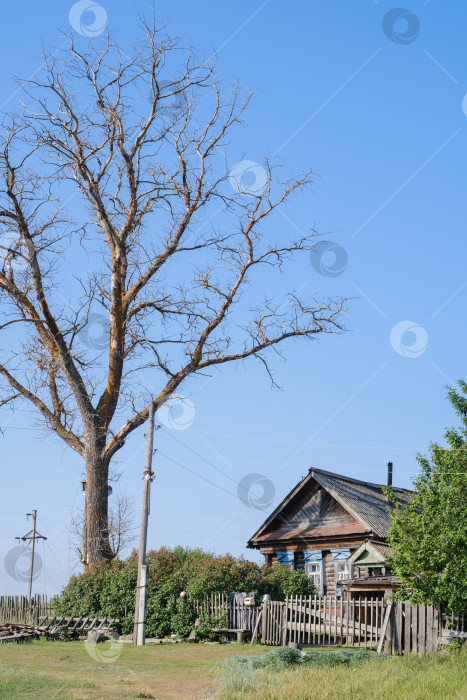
[(359, 675), (241, 674)]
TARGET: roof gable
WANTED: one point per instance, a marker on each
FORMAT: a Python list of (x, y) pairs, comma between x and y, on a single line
[(370, 552), (315, 506)]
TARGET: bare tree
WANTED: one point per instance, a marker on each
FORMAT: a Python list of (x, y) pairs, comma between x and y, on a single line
[(117, 200), (121, 530)]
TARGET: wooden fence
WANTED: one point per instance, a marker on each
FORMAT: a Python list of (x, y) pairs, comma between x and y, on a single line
[(212, 604), (323, 620), (18, 609), (420, 629), (395, 627), (238, 615)]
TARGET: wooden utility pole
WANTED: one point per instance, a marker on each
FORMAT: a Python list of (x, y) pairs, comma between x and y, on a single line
[(32, 535), (139, 627)]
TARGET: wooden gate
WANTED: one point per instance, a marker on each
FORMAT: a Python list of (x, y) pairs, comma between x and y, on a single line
[(272, 622), (238, 615)]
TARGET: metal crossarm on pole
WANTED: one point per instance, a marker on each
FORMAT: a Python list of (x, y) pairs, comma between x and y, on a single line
[(32, 536)]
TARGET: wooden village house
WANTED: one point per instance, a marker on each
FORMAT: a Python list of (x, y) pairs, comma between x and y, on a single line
[(334, 528)]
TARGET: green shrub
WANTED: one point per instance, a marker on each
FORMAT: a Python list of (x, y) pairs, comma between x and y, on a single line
[(108, 590), (285, 657), (338, 658), (456, 644), (208, 623)]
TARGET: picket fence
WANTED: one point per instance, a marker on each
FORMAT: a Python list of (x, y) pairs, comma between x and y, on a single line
[(393, 627), (323, 620), (21, 610)]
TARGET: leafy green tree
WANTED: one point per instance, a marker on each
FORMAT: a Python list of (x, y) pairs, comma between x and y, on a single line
[(429, 536)]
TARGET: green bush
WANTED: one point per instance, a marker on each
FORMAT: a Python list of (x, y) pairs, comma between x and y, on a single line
[(108, 590), (208, 623), (456, 644)]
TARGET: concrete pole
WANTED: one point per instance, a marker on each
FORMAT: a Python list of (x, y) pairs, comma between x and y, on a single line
[(33, 545), (139, 627)]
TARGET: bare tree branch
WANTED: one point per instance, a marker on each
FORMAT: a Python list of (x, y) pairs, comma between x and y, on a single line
[(120, 214)]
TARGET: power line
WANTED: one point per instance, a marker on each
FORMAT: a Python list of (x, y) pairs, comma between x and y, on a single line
[(196, 474), (214, 467), (202, 458)]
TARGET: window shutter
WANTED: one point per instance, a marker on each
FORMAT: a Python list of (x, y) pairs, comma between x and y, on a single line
[(313, 555), (340, 554), (286, 558)]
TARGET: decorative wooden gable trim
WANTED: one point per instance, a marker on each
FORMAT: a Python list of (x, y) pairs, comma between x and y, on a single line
[(370, 553)]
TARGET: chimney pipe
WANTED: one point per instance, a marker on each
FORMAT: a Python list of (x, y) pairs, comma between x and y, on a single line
[(389, 473)]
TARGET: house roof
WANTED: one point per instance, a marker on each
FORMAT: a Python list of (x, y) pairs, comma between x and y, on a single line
[(365, 501), (378, 552)]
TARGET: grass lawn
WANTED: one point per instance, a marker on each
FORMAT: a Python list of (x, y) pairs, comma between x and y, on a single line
[(65, 671)]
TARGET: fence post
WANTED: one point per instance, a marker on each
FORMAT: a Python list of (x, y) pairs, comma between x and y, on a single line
[(384, 629), (436, 625), (284, 622), (264, 626), (421, 629), (407, 626)]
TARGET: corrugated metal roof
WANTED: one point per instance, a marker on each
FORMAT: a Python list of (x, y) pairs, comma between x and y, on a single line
[(367, 501)]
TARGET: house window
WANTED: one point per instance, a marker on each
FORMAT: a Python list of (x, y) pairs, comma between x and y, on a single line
[(342, 568), (376, 571), (343, 571), (313, 570)]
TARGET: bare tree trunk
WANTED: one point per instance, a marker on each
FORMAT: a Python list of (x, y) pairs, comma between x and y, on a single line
[(96, 544)]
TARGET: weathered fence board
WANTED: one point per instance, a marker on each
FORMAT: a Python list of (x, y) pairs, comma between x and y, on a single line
[(324, 620), (21, 610)]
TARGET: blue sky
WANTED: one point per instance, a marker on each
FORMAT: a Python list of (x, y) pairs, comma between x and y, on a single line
[(382, 124)]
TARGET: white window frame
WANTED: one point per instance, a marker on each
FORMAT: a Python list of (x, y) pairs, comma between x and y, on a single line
[(316, 573), (346, 568), (341, 566)]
